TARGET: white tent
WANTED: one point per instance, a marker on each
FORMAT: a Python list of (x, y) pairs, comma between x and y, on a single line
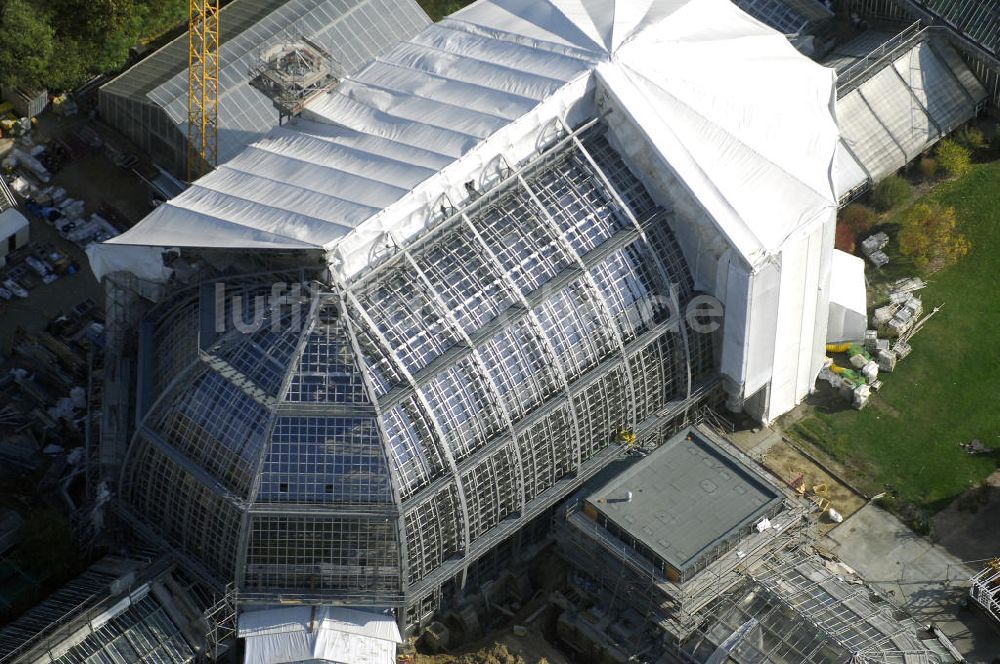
[(848, 299), (321, 633), (14, 232), (722, 119)]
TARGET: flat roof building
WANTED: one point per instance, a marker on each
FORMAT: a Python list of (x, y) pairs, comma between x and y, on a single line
[(682, 503), (711, 561)]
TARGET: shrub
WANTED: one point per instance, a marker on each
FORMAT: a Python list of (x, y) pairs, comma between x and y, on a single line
[(930, 235), (845, 238), (954, 159), (996, 137), (497, 654), (859, 218), (891, 192), (970, 137), (928, 168)]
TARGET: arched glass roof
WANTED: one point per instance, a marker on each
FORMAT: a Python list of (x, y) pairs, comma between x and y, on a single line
[(366, 445)]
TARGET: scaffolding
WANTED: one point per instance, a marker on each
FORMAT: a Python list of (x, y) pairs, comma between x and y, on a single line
[(222, 621), (763, 596), (804, 613), (626, 578), (293, 72), (985, 590)]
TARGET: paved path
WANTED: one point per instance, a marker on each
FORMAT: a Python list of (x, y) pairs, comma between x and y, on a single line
[(918, 575)]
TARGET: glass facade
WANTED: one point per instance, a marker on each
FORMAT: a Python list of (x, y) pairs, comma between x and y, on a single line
[(425, 411)]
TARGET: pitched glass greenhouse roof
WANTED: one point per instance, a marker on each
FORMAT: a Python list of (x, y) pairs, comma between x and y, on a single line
[(919, 97), (979, 20), (353, 31)]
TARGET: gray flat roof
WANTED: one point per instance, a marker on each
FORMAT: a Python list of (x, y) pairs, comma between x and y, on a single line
[(688, 496)]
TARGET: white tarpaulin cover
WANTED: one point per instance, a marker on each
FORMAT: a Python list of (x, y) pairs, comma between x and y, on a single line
[(12, 222), (719, 115), (303, 633), (743, 110), (848, 299), (144, 262)]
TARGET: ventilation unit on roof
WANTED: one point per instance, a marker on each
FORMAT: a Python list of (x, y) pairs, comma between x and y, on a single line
[(291, 73)]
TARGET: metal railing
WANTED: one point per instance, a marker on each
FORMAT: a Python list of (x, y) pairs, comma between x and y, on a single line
[(862, 70)]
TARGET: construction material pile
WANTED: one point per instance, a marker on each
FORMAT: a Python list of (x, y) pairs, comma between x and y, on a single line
[(904, 309), (857, 382), (873, 248), (894, 324)]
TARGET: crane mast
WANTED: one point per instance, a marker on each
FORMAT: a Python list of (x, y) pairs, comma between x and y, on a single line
[(203, 87)]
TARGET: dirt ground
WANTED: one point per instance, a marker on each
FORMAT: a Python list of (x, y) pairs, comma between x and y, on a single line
[(788, 463), (502, 648), (769, 447), (96, 180)]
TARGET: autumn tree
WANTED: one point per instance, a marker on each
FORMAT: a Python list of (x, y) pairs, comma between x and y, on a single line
[(954, 159), (859, 218), (930, 236), (845, 238)]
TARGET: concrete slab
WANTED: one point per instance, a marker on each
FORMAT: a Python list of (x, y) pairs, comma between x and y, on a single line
[(917, 575)]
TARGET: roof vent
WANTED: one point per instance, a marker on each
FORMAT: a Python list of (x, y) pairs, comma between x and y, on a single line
[(293, 72)]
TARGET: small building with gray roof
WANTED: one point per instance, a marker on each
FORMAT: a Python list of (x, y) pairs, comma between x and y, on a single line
[(683, 504)]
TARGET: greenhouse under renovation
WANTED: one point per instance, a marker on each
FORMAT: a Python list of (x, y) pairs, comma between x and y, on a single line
[(360, 367)]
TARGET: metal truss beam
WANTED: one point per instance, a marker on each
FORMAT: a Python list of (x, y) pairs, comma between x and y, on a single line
[(484, 374), (397, 491), (421, 400), (607, 318), (196, 471), (623, 208), (203, 87), (522, 311), (471, 207), (538, 333)]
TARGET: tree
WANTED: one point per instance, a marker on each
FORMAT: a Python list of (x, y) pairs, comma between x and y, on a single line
[(438, 9), (59, 44), (930, 236), (970, 137), (954, 159), (859, 218), (90, 20), (891, 192), (845, 239), (928, 168), (95, 35), (26, 45)]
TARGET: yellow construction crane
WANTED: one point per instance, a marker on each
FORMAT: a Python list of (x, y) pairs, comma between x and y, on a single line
[(203, 87)]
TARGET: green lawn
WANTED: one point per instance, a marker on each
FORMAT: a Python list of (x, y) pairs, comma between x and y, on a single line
[(438, 9), (948, 390)]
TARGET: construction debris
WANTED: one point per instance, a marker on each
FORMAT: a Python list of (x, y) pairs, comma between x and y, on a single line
[(976, 447), (887, 361)]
